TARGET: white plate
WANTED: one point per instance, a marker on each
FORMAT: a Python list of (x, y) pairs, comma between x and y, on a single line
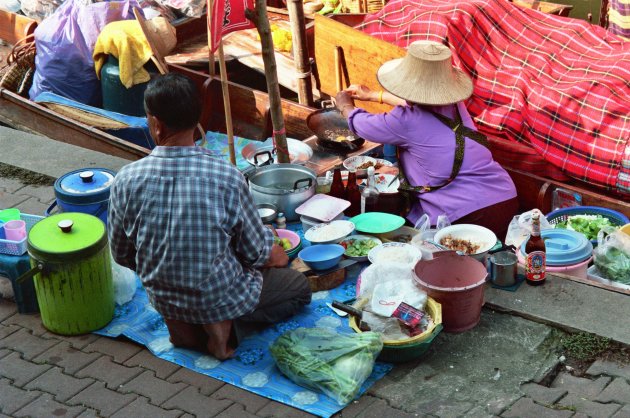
[(394, 252), (356, 161), (360, 238), (329, 232)]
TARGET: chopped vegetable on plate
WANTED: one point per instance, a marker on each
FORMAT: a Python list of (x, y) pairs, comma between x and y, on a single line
[(358, 247)]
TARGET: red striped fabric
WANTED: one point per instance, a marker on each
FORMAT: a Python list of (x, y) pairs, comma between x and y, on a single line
[(558, 85)]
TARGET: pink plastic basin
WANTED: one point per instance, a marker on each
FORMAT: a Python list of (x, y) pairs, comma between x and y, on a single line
[(576, 270)]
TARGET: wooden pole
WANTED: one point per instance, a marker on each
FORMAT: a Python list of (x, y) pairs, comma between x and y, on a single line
[(338, 69), (209, 13), (259, 18), (226, 104), (300, 52)]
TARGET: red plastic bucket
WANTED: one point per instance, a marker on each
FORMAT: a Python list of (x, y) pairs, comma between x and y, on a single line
[(456, 282)]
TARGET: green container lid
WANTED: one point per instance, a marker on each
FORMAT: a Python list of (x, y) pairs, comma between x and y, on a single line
[(66, 237)]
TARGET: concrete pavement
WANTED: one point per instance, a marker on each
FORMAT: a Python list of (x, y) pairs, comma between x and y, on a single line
[(507, 366)]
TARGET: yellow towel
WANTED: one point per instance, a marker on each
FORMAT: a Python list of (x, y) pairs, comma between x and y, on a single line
[(125, 41)]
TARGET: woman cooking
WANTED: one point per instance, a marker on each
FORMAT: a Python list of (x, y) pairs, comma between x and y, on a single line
[(453, 174)]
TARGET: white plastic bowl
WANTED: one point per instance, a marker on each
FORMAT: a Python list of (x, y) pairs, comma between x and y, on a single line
[(395, 253), (359, 238), (476, 234), (336, 232)]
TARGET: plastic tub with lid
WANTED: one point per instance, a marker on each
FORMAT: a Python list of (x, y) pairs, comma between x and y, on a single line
[(84, 190), (568, 252)]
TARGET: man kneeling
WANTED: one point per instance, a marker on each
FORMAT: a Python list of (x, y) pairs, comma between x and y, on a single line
[(186, 223)]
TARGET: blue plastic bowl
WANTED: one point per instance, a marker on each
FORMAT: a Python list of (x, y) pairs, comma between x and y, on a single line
[(322, 257)]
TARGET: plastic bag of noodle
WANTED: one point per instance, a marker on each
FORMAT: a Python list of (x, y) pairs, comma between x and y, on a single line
[(324, 360)]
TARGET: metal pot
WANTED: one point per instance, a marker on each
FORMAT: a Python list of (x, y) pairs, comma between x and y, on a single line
[(265, 153), (286, 186)]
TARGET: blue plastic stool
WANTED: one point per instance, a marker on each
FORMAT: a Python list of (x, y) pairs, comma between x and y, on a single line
[(13, 266)]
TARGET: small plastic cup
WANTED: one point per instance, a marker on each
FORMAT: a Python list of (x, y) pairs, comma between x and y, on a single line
[(11, 214), (15, 230)]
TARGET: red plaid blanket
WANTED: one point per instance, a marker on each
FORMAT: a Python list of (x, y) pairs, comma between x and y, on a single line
[(559, 85)]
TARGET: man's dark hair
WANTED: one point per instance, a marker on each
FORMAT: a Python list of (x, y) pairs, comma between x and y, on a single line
[(173, 99)]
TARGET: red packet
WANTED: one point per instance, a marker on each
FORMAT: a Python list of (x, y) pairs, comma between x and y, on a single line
[(409, 315)]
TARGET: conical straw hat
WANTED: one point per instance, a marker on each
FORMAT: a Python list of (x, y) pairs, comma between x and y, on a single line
[(160, 34), (425, 75)]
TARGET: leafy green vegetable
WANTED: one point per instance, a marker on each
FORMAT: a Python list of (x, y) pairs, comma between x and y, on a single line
[(321, 359), (588, 225), (359, 247), (613, 263)]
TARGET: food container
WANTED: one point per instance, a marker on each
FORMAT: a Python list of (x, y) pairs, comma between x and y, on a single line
[(394, 252), (616, 218), (567, 252), (476, 234), (322, 257), (85, 190), (308, 223), (329, 232), (264, 153), (323, 208), (72, 273), (351, 238), (267, 212), (457, 282), (399, 351), (286, 186)]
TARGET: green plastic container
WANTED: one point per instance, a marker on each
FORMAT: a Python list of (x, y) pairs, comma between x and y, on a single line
[(73, 275), (117, 97)]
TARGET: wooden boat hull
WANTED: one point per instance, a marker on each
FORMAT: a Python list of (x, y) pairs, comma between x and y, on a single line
[(251, 120)]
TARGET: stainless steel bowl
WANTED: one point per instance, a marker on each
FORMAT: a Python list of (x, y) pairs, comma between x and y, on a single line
[(267, 212)]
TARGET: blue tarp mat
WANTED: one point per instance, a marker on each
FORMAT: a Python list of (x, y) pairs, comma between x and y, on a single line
[(252, 369)]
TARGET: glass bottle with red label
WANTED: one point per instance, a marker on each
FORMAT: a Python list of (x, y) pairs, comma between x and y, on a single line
[(535, 249)]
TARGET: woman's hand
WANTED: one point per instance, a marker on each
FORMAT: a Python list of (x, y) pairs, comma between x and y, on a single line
[(343, 98), (361, 92)]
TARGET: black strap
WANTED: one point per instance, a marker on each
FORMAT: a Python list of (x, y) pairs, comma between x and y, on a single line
[(455, 126)]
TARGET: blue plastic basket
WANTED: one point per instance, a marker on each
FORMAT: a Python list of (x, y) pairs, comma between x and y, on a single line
[(19, 247), (616, 218)]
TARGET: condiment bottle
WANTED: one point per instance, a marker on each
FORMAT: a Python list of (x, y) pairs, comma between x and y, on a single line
[(336, 188), (369, 195), (353, 194), (281, 221), (535, 249)]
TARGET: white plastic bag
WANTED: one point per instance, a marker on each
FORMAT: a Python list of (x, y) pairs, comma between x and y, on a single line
[(124, 283), (521, 227)]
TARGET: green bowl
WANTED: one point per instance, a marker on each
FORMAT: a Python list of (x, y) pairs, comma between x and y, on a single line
[(408, 352)]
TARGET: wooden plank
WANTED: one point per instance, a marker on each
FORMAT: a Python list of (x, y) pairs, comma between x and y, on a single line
[(536, 192), (14, 27), (362, 55), (26, 115)]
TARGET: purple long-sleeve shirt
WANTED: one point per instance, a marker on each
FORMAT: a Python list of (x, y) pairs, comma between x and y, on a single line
[(427, 153)]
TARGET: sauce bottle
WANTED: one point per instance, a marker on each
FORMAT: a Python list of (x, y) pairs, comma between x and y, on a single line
[(535, 249), (336, 188), (353, 194), (369, 195)]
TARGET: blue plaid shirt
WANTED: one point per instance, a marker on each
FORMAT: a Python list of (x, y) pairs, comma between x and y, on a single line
[(186, 222)]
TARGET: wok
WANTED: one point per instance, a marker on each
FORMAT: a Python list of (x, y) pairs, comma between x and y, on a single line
[(329, 123)]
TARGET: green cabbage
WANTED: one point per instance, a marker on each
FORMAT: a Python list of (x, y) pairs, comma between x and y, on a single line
[(324, 360)]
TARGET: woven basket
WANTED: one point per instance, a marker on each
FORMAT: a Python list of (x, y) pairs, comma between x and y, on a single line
[(362, 6), (17, 74)]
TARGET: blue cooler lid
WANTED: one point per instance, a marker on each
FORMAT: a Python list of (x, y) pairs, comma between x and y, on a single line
[(85, 186), (564, 247)]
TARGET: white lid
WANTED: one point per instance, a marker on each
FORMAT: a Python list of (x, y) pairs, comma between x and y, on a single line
[(322, 207)]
